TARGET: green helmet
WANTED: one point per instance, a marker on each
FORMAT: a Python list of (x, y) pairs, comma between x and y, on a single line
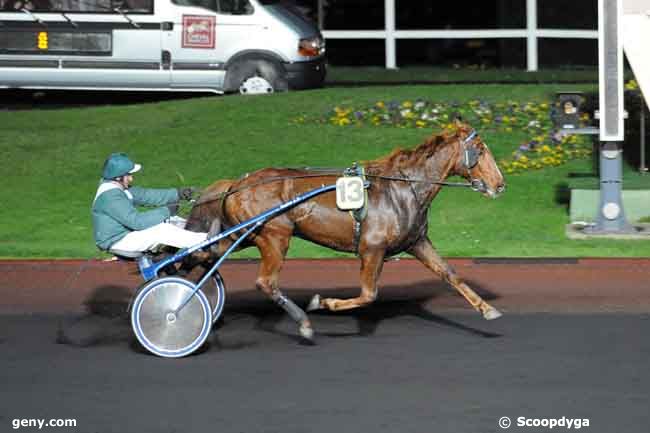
[(117, 165)]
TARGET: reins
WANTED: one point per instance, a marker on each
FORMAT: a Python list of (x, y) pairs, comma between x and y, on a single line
[(229, 192), (475, 184)]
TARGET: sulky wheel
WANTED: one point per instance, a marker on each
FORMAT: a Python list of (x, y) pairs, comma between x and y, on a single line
[(220, 296), (161, 329)]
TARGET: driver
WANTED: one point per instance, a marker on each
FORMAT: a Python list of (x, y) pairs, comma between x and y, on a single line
[(120, 228)]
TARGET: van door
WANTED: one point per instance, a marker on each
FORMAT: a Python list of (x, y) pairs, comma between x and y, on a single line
[(204, 34), (136, 56), (189, 38)]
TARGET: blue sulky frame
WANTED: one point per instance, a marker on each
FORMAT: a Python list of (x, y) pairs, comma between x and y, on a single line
[(151, 271), (156, 311)]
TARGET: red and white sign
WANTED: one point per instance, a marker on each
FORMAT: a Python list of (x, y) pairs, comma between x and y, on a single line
[(198, 31)]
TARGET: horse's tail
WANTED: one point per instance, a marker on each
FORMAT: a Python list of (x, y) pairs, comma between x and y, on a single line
[(207, 212)]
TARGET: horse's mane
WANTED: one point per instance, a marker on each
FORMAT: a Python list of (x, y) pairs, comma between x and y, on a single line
[(400, 158)]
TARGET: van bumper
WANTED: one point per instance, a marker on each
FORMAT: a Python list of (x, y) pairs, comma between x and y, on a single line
[(306, 75)]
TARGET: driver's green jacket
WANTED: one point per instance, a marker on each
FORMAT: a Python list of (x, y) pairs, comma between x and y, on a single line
[(115, 214)]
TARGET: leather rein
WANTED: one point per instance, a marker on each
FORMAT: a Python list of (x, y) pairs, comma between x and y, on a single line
[(470, 159)]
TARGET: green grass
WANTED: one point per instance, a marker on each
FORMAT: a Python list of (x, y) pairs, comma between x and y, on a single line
[(51, 162), (589, 179)]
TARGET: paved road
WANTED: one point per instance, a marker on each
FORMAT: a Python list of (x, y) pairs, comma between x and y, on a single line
[(390, 368)]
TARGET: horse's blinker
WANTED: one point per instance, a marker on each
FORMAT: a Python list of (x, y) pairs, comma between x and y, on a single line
[(470, 154), (471, 157)]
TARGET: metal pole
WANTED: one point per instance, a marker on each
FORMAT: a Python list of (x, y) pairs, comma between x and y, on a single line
[(389, 17), (611, 214), (531, 38), (321, 16), (642, 168)]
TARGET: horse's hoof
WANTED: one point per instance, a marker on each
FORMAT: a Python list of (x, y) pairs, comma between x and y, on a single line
[(492, 313), (314, 304), (307, 333)]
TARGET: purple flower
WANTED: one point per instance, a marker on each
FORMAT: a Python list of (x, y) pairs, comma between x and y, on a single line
[(392, 105)]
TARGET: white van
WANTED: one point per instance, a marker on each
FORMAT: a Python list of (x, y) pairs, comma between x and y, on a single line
[(251, 46)]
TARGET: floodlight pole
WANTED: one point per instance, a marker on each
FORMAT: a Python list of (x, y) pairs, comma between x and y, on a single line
[(642, 167), (611, 213), (610, 217)]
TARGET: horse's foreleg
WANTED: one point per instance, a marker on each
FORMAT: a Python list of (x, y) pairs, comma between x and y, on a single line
[(371, 265), (423, 250), (273, 250)]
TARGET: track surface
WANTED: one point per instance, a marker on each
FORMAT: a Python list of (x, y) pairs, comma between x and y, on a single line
[(574, 343), (391, 368)]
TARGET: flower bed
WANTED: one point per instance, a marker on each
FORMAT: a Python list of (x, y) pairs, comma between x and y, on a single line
[(543, 146)]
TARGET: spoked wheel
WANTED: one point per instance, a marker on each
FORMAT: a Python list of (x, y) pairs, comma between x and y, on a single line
[(161, 327)]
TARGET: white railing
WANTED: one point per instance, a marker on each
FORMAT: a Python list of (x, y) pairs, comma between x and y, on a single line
[(531, 33)]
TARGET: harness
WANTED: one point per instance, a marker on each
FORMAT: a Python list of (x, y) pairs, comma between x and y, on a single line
[(358, 215), (471, 157)]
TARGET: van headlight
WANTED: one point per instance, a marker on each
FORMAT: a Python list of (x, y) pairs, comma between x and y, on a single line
[(311, 47)]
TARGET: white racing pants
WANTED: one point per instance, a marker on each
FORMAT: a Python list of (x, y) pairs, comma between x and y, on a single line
[(167, 233)]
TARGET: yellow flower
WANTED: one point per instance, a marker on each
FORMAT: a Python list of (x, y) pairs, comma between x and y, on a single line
[(380, 104), (342, 112), (523, 158), (545, 149), (420, 124), (407, 104)]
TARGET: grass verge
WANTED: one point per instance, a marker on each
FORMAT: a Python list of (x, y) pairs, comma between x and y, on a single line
[(52, 160)]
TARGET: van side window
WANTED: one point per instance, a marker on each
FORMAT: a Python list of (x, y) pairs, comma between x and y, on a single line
[(226, 7), (79, 6)]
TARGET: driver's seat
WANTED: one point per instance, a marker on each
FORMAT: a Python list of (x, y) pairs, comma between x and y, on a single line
[(126, 255), (142, 257)]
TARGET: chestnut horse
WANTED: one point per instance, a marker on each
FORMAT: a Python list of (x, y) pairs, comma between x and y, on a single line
[(402, 186)]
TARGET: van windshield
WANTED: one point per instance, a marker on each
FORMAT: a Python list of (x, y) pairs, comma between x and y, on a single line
[(79, 6), (227, 7)]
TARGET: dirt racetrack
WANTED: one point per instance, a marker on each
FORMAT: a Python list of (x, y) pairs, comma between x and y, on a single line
[(517, 285)]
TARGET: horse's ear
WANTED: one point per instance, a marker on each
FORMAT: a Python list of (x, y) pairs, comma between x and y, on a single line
[(458, 121)]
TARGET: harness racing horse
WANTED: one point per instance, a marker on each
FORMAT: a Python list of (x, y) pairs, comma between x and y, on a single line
[(402, 186)]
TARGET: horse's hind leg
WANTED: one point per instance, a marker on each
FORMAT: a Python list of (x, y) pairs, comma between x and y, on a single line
[(273, 249), (371, 265), (423, 250)]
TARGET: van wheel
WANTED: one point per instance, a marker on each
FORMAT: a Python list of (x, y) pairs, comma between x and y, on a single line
[(254, 77)]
